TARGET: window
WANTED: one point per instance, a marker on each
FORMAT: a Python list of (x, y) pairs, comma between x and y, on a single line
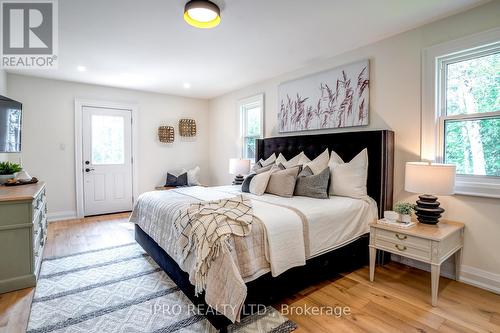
[(461, 110), (470, 112), (13, 133), (252, 116)]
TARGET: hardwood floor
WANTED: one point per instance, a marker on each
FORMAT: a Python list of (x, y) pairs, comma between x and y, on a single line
[(398, 300), (63, 238)]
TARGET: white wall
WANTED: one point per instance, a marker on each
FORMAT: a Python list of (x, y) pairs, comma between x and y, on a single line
[(395, 75), (48, 134)]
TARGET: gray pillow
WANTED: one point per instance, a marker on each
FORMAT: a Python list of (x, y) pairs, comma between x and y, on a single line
[(180, 180), (245, 187), (307, 171), (313, 186)]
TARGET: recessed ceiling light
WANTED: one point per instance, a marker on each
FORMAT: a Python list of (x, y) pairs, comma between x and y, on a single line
[(187, 85), (202, 14), (81, 68)]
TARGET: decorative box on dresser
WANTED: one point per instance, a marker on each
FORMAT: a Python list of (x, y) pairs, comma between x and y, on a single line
[(23, 229), (432, 244)]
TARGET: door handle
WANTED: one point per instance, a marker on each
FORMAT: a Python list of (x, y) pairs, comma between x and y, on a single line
[(89, 169)]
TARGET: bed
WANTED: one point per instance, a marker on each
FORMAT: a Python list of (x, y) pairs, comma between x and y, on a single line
[(336, 237)]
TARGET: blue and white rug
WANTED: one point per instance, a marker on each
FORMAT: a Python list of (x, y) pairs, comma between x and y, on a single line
[(121, 289)]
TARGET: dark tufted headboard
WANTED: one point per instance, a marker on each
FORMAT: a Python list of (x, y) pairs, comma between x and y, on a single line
[(380, 145)]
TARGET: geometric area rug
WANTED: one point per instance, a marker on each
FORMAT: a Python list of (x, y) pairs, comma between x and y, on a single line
[(121, 289)]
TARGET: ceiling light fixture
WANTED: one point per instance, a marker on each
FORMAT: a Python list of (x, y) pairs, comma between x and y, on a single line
[(81, 68), (202, 14), (187, 85)]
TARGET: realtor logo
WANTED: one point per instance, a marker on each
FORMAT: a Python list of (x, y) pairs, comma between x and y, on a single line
[(29, 34)]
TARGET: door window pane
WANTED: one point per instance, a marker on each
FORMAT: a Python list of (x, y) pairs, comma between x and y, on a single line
[(473, 85), (473, 145), (108, 142)]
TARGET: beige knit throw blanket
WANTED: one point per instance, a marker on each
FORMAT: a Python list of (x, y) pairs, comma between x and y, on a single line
[(205, 228)]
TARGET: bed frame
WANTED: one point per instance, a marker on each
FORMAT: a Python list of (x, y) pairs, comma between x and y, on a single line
[(267, 290)]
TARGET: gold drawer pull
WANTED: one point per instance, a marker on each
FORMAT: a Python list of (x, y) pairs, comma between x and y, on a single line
[(401, 237), (400, 248)]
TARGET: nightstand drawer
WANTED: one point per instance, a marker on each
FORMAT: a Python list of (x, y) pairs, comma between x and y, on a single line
[(405, 250), (403, 239)]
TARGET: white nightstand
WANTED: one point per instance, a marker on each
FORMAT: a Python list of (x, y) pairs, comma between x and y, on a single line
[(432, 244)]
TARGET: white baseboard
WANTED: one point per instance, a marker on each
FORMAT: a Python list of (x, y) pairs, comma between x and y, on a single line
[(59, 216), (468, 274), (480, 278)]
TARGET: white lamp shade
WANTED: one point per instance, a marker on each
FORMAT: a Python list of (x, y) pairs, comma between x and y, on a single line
[(430, 178), (238, 166)]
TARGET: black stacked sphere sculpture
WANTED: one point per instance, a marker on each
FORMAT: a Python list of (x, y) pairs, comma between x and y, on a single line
[(428, 210)]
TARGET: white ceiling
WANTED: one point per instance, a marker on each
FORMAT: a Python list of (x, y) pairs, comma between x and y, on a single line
[(146, 45)]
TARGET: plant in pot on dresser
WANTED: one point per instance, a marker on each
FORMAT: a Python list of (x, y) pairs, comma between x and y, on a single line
[(8, 170), (23, 229)]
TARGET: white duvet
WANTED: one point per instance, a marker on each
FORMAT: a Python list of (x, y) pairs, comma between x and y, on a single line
[(332, 222), (281, 223)]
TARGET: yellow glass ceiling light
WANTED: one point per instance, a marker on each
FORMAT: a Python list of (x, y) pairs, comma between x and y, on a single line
[(202, 14)]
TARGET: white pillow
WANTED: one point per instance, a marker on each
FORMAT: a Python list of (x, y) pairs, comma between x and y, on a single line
[(349, 179), (319, 163), (271, 159), (263, 164), (258, 184), (177, 172), (298, 159), (194, 176)]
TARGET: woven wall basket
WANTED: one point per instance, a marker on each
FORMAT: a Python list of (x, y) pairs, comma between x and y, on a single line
[(166, 134), (187, 127)]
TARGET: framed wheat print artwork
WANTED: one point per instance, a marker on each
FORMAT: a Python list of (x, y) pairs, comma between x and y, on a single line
[(335, 98)]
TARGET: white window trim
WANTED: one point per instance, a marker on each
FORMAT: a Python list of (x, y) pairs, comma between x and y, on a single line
[(246, 103), (431, 133)]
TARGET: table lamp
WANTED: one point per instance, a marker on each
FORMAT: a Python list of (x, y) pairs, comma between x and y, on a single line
[(431, 179), (238, 167)]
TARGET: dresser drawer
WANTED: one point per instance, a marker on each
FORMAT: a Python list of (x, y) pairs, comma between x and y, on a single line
[(37, 230), (43, 228), (403, 239), (38, 210), (406, 250), (39, 201), (37, 240)]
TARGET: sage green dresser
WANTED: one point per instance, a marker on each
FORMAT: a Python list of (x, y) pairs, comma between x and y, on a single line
[(23, 230)]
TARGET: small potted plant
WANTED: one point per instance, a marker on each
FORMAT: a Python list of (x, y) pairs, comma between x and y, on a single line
[(404, 209), (7, 171)]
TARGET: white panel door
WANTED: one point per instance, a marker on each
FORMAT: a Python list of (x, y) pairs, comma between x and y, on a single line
[(107, 160)]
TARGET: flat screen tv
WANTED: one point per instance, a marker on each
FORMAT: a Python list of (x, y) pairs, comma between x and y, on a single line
[(10, 125)]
